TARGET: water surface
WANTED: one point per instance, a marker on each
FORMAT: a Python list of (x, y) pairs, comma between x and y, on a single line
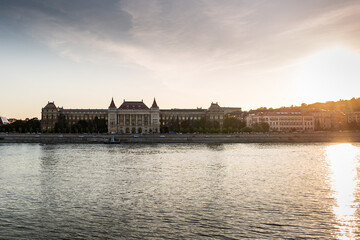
[(188, 191)]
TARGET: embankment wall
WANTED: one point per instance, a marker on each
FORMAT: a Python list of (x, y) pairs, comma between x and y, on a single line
[(184, 138)]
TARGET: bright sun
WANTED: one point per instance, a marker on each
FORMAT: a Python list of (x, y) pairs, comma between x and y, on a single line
[(328, 75)]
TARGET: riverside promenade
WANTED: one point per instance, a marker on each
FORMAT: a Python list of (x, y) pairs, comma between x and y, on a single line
[(272, 137)]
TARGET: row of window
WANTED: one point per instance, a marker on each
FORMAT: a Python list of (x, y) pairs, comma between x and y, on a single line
[(72, 117), (285, 119), (49, 117), (290, 123), (133, 116), (86, 113), (216, 117), (181, 118), (290, 128), (82, 117), (133, 123)]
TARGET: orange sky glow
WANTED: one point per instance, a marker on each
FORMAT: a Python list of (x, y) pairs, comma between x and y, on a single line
[(187, 54)]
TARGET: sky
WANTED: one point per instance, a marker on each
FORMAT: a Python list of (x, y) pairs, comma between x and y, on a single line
[(186, 54)]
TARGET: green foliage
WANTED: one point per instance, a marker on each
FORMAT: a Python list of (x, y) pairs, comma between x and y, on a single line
[(246, 129), (352, 105), (261, 127), (82, 126), (265, 127), (21, 126), (202, 125), (233, 124)]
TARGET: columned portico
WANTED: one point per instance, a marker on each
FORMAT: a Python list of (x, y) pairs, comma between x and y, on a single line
[(134, 117), (135, 120)]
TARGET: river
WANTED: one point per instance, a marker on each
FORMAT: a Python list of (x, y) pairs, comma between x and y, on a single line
[(179, 191)]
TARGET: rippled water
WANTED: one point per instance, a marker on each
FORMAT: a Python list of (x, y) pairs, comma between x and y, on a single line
[(188, 191)]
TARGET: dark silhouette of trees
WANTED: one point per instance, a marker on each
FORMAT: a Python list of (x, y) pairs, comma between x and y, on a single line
[(98, 125), (22, 126), (261, 127), (202, 125)]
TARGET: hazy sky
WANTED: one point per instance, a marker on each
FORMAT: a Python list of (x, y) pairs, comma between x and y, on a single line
[(187, 54)]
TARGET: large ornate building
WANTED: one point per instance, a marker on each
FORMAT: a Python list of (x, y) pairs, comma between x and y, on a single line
[(134, 116)]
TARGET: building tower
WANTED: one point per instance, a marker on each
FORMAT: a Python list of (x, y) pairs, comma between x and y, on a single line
[(49, 116), (155, 117), (112, 119)]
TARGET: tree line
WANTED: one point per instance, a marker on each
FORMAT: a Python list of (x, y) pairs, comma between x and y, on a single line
[(61, 126), (97, 125), (230, 125), (345, 106), (22, 126)]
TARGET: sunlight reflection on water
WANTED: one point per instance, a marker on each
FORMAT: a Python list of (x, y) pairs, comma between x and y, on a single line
[(342, 160)]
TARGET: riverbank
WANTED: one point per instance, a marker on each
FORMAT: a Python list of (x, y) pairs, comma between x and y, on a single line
[(183, 138)]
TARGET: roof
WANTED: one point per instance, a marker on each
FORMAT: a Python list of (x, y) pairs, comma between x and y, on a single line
[(3, 120), (214, 107), (112, 104), (84, 110), (50, 105), (154, 105), (133, 105), (284, 114), (174, 110)]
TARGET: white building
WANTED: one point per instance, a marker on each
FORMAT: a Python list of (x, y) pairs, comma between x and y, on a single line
[(3, 121), (283, 121), (133, 117), (353, 117)]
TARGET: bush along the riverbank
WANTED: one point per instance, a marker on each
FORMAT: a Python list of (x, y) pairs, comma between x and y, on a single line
[(22, 126), (230, 125)]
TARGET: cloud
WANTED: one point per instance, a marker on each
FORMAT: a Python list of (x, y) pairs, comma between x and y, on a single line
[(188, 43)]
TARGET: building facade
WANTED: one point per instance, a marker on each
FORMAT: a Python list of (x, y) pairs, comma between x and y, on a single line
[(4, 121), (214, 116), (133, 117), (283, 121), (51, 115), (353, 117), (326, 120)]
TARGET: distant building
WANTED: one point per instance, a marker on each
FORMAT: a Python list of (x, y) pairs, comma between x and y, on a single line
[(175, 118), (233, 112), (4, 121), (283, 121), (133, 117), (214, 114), (353, 117), (353, 120), (50, 115), (327, 119)]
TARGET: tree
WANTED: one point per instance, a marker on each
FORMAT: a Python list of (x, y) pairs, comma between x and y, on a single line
[(265, 126), (261, 127), (233, 124), (246, 129)]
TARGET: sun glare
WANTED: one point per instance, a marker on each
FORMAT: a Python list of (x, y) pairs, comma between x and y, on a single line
[(328, 75), (342, 161)]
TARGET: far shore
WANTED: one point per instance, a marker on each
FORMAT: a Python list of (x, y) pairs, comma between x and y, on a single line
[(268, 137)]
